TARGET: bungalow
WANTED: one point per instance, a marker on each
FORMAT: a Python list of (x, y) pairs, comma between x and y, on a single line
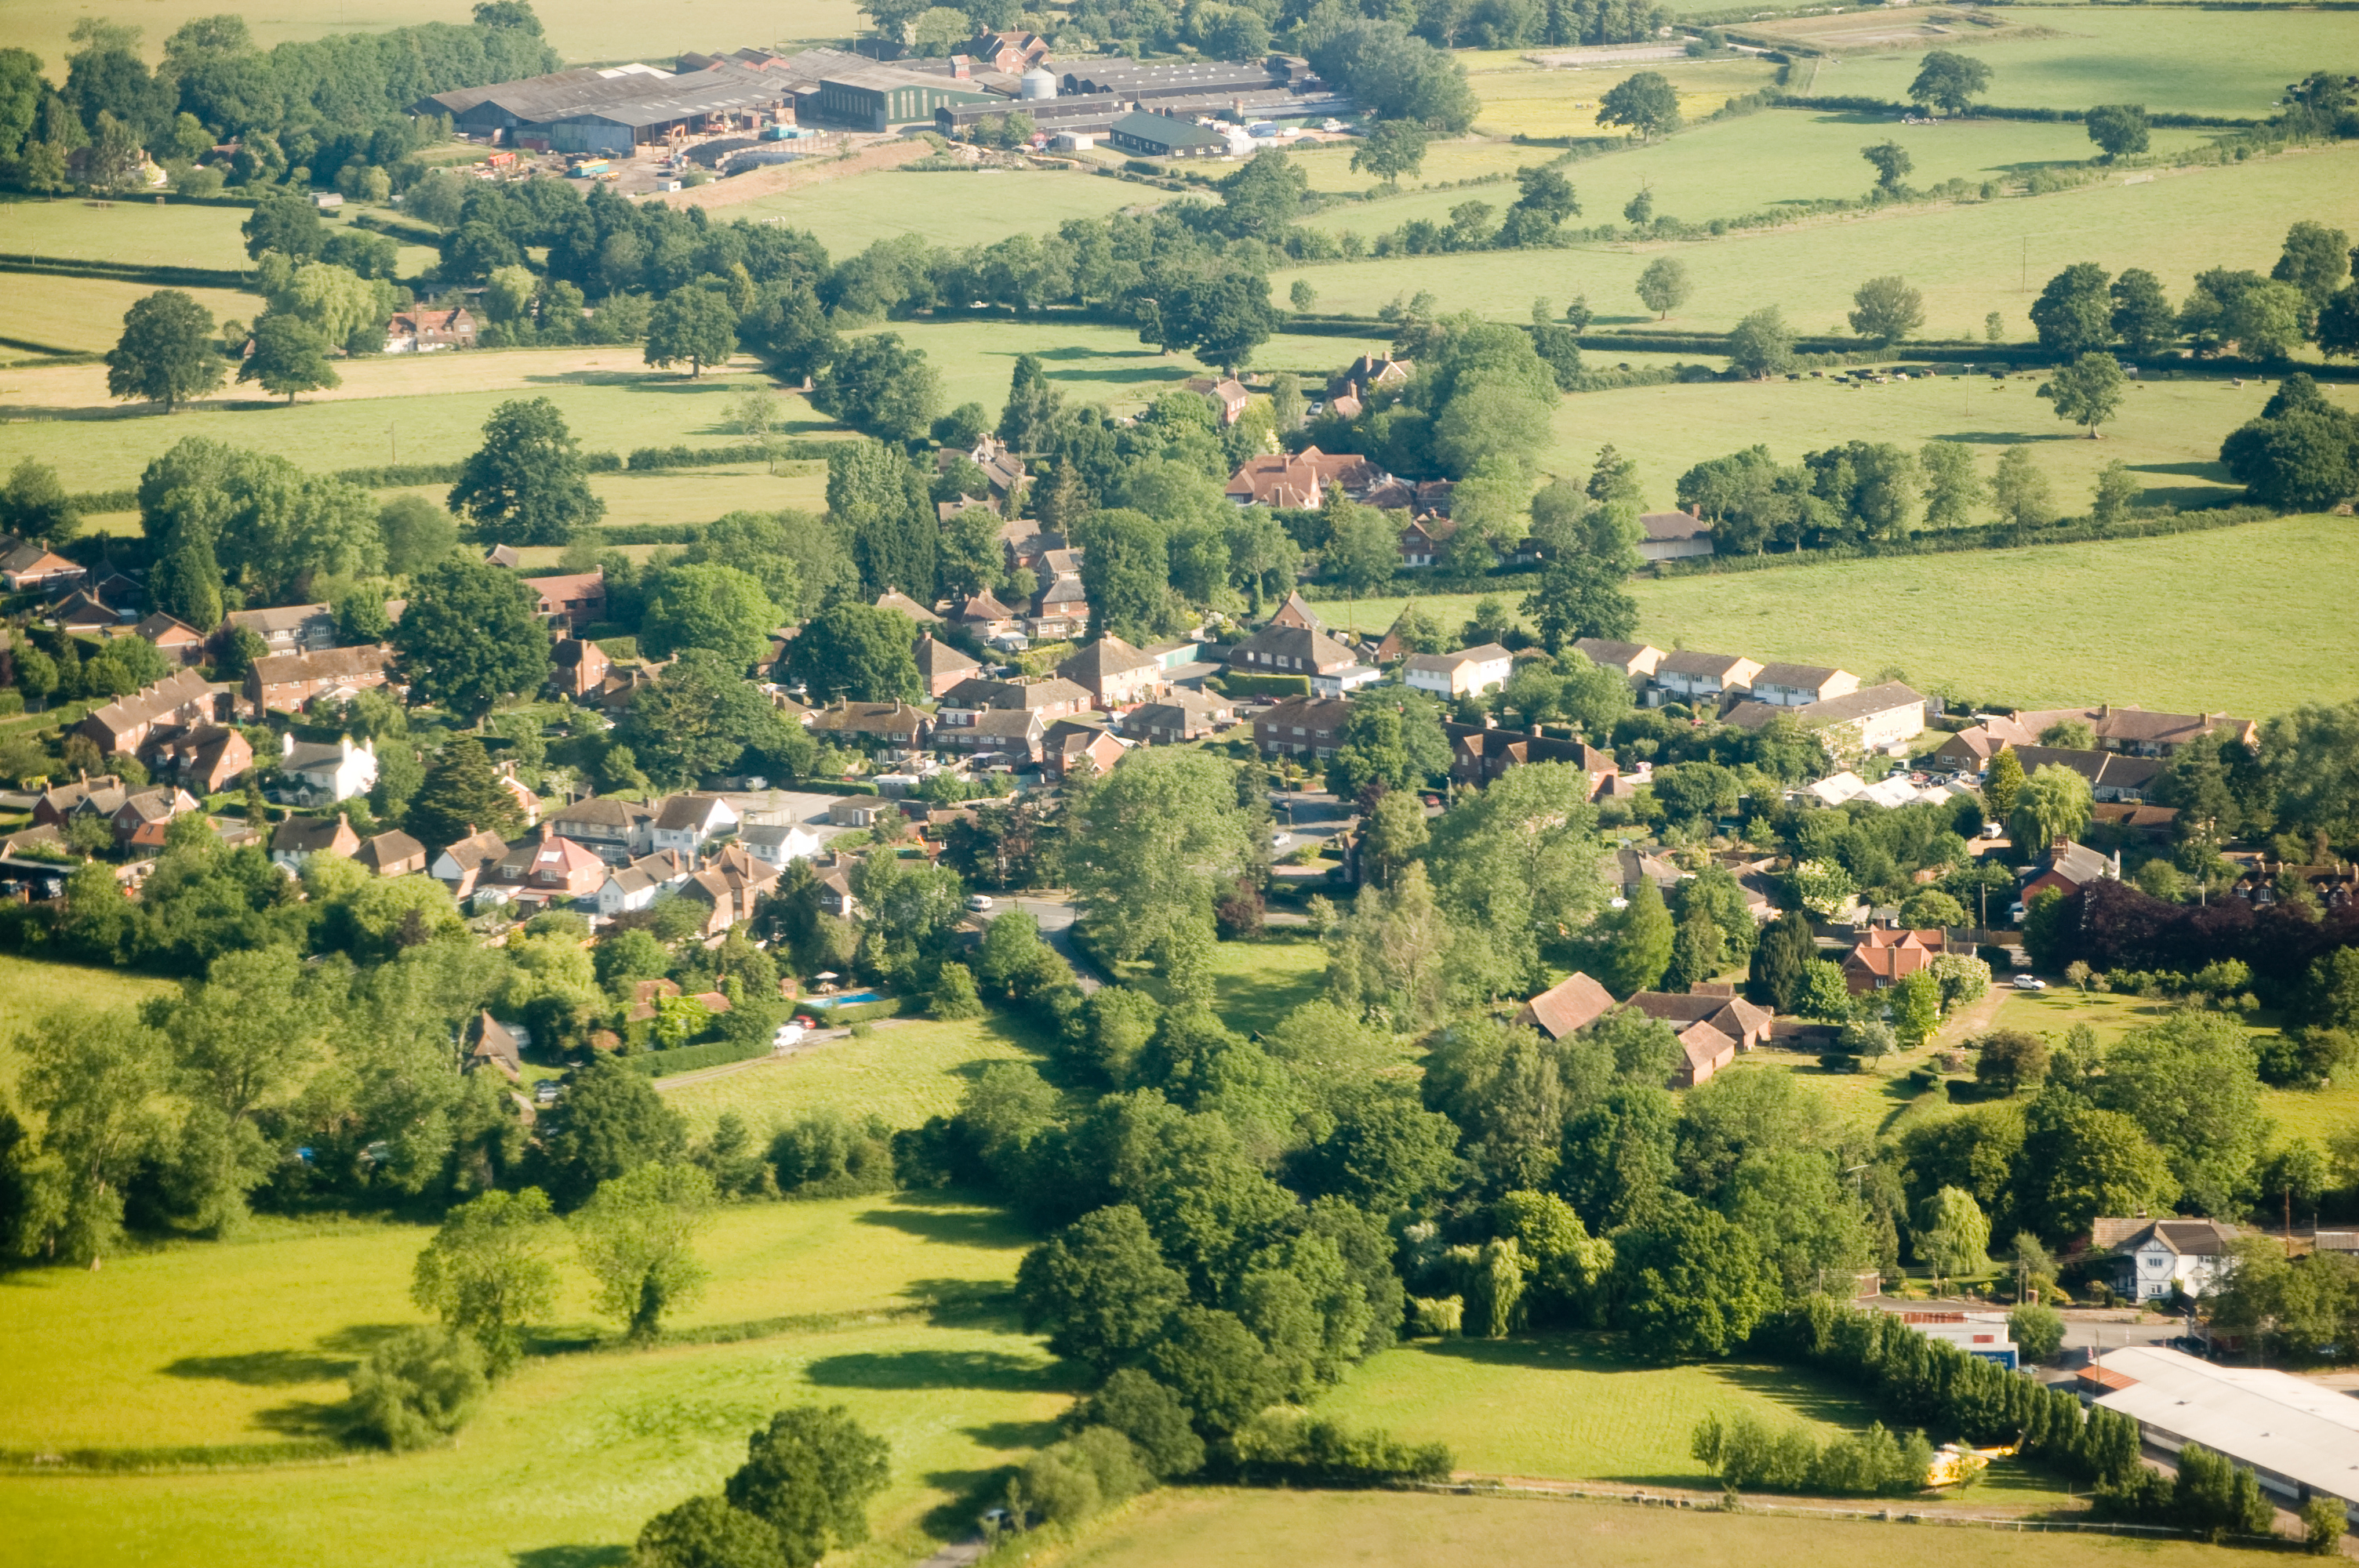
[(1466, 673), (940, 665), (1701, 680), (859, 810), (322, 773), (179, 642), (688, 822), (614, 829), (2137, 731), (284, 683), (574, 598), (299, 839), (778, 842), (1332, 668), (1227, 396), (1182, 715), (84, 611), (24, 567), (1566, 1008), (577, 668), (1113, 673), (203, 757), (891, 727), (461, 867), (2156, 824), (1072, 745), (392, 854), (1301, 726), (2112, 776), (1797, 686), (1673, 535), (283, 629), (1298, 481), (1637, 661), (1717, 1005), (180, 700), (1970, 751), (2148, 1259)]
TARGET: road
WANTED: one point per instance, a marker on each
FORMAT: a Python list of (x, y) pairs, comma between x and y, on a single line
[(1053, 913)]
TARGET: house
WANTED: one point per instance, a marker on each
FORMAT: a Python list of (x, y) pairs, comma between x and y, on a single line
[(202, 758), (1566, 1008), (1051, 699), (2299, 1438), (835, 893), (284, 683), (2112, 776), (426, 332), (1700, 679), (1883, 956), (1969, 750), (1113, 673), (1332, 668), (635, 885), (299, 839), (2154, 1260), (1422, 540), (54, 805), (1148, 134), (1717, 1005), (1852, 725), (685, 823), (1673, 535), (180, 699), (1299, 480), (575, 599), (25, 567), (1014, 733), (549, 868), (1468, 672), (323, 773), (2155, 823), (1637, 661), (614, 829), (84, 610), (1479, 754), (1071, 745), (461, 866), (1301, 726), (1061, 609), (1182, 715), (1797, 686), (894, 599), (2136, 730), (982, 613), (1985, 1336), (940, 665), (1633, 866), (1369, 370), (1295, 610), (1008, 53), (140, 816), (494, 1045), (1002, 470), (888, 727), (393, 854), (577, 668), (2071, 868), (778, 842), (179, 642), (1227, 396), (283, 629)]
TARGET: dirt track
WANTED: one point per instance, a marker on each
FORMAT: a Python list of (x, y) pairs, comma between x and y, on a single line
[(786, 177)]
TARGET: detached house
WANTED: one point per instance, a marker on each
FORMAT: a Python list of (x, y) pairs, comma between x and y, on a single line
[(322, 773), (393, 854), (1113, 673), (1227, 396), (462, 867), (1882, 958), (1071, 745), (550, 869), (685, 823), (284, 683), (2151, 1259), (26, 567), (1333, 668), (778, 842), (1301, 726), (427, 331), (1479, 754), (574, 599), (1298, 481), (1566, 1008), (298, 838), (2071, 868), (1673, 535), (1468, 672)]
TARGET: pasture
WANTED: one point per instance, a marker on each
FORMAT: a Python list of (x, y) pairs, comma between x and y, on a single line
[(84, 315), (1213, 1527), (1958, 621), (30, 989), (905, 1072), (567, 1458), (1541, 103), (942, 207), (1968, 259), (139, 233)]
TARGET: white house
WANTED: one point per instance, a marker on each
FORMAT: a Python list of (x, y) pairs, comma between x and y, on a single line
[(323, 775), (1700, 679), (687, 822), (2154, 1259), (1797, 685), (635, 886), (1467, 670), (778, 842)]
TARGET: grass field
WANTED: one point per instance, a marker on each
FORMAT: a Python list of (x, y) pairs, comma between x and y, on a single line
[(30, 989), (222, 1343), (905, 1073), (1205, 1528), (944, 208), (1969, 260), (1540, 102), (2193, 62), (133, 231), (84, 315), (1255, 984), (1962, 618)]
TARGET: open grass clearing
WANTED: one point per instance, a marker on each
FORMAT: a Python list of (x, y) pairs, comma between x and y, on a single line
[(905, 1072), (1537, 102), (944, 206), (1956, 619), (1329, 166), (1210, 1528), (131, 231), (85, 314), (2184, 59), (1255, 984), (1968, 259), (31, 990)]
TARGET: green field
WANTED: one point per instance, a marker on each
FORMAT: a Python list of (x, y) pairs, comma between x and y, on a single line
[(1540, 102), (1965, 619), (134, 232), (944, 208), (29, 989), (243, 1342), (1255, 984), (905, 1072), (1208, 1528), (2176, 58), (1969, 260), (84, 315)]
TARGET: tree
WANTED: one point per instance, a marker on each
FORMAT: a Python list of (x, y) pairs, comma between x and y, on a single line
[(526, 484), (1698, 951), (636, 1236), (2142, 318), (286, 221), (2121, 129), (166, 353), (1761, 344), (2088, 391), (810, 1474), (712, 607), (881, 387), (702, 716), (472, 633), (2054, 805), (289, 357), (1647, 102), (417, 534), (1221, 317), (2303, 453), (1954, 1236), (34, 505), (1916, 1003), (1150, 842), (1663, 287), (1952, 488), (879, 500), (1581, 596), (486, 1273), (1100, 1288), (1691, 1283), (1362, 548), (2115, 490), (1781, 961), (2074, 312), (94, 1076), (706, 1532), (418, 1387), (2192, 1079), (460, 795), (2002, 783), (1885, 309), (857, 650), (1643, 940), (1948, 81), (692, 323), (2315, 262), (1892, 164), (1390, 149), (2020, 491)]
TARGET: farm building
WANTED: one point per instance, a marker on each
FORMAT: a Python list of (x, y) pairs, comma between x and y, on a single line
[(1158, 136), (879, 97), (616, 108), (2300, 1439)]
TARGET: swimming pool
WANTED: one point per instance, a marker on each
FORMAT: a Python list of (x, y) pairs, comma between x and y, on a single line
[(850, 999)]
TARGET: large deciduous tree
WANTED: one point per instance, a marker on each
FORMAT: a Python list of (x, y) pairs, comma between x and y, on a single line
[(809, 1475), (694, 324), (636, 1237), (166, 353), (2088, 392), (1948, 81), (858, 652), (487, 1273), (526, 484), (1645, 103), (472, 633)]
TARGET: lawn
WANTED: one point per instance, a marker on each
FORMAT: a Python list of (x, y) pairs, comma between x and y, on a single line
[(1329, 166), (222, 1343), (905, 1072), (84, 315), (1961, 633), (1969, 260), (137, 232), (944, 208), (1208, 1528), (2176, 58)]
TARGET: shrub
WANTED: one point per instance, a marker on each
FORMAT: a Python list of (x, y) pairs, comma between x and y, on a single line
[(418, 1386), (825, 1154), (1282, 1446), (1095, 1468), (2039, 1330), (1150, 1415), (954, 995), (1744, 1451), (2323, 1522)]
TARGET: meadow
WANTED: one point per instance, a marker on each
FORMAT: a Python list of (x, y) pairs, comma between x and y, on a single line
[(2152, 615), (1543, 103), (84, 315), (1211, 1528), (943, 207), (30, 991), (138, 233), (1968, 259), (905, 1072), (241, 1342)]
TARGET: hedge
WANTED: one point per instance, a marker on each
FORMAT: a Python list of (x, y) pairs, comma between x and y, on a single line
[(90, 501), (1855, 103), (391, 476), (1997, 536), (855, 1012), (132, 272), (836, 786), (688, 1058), (1265, 686), (651, 534), (647, 458)]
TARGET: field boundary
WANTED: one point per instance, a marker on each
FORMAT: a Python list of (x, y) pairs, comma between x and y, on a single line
[(192, 1457), (124, 272)]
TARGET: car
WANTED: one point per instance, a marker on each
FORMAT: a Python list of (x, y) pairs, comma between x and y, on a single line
[(2029, 983), (545, 1092), (2190, 1343), (2015, 913), (1277, 840), (1994, 829), (788, 1035), (978, 901)]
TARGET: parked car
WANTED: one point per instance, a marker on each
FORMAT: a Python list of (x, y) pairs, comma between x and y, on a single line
[(1994, 829), (2029, 983), (978, 901), (788, 1035)]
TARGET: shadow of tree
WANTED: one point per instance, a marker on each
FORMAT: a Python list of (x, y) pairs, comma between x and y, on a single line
[(357, 1339), (571, 1557), (262, 1369), (951, 1227), (1015, 1433), (308, 1418), (962, 1299), (996, 1370), (1125, 373)]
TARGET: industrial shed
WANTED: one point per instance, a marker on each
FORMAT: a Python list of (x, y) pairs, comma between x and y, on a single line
[(2300, 1438)]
